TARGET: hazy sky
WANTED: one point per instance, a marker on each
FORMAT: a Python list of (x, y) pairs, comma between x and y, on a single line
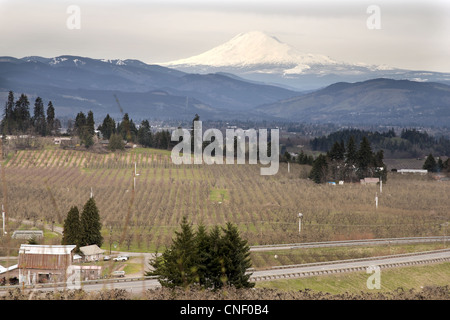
[(413, 34)]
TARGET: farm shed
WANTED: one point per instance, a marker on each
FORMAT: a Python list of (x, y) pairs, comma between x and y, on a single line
[(415, 171), (91, 253), (62, 140), (88, 272), (44, 263), (369, 181), (28, 234)]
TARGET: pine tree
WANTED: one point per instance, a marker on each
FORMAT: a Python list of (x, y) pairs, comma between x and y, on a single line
[(51, 119), (144, 135), (90, 123), (236, 254), (72, 227), (22, 113), (365, 158), (430, 164), (80, 123), (216, 277), (203, 254), (337, 152), (351, 154), (211, 260), (90, 225), (178, 265), (39, 122), (8, 124), (108, 127), (319, 169)]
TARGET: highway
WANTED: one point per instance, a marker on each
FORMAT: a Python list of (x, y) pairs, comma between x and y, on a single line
[(139, 285), (349, 243)]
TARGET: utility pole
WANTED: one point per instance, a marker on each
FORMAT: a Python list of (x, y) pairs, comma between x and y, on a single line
[(444, 225), (134, 176), (5, 193), (376, 200), (3, 220), (300, 217)]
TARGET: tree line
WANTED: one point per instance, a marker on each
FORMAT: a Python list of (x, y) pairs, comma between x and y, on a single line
[(432, 165), (17, 118), (412, 141), (118, 133), (346, 162)]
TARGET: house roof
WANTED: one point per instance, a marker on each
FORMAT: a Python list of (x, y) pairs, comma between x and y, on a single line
[(46, 249), (90, 250), (54, 257)]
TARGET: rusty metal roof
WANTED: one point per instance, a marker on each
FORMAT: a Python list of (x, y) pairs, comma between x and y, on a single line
[(44, 261), (45, 256), (46, 249)]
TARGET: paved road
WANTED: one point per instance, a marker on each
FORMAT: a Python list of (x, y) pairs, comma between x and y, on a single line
[(351, 265), (138, 286), (349, 243)]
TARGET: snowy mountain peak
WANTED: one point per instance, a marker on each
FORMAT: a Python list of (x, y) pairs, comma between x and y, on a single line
[(253, 48)]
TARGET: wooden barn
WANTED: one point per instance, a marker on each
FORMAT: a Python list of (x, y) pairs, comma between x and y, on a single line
[(44, 263)]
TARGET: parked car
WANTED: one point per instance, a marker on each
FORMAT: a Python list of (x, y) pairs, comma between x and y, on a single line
[(119, 274), (121, 258), (106, 258)]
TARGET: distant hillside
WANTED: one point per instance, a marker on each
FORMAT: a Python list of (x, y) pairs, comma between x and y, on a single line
[(377, 101), (76, 84)]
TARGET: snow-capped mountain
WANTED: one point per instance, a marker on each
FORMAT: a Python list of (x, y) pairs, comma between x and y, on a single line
[(253, 49), (258, 56)]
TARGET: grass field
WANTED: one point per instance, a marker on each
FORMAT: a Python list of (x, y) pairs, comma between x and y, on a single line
[(406, 278), (42, 185)]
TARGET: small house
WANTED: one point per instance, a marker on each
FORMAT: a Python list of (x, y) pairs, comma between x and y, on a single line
[(91, 253)]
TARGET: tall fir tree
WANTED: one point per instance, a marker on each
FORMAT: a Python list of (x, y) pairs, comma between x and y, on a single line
[(90, 123), (108, 127), (22, 113), (51, 127), (178, 264), (430, 164), (319, 169), (72, 227), (39, 121), (351, 152), (8, 124), (365, 158), (236, 254), (144, 135), (90, 225)]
